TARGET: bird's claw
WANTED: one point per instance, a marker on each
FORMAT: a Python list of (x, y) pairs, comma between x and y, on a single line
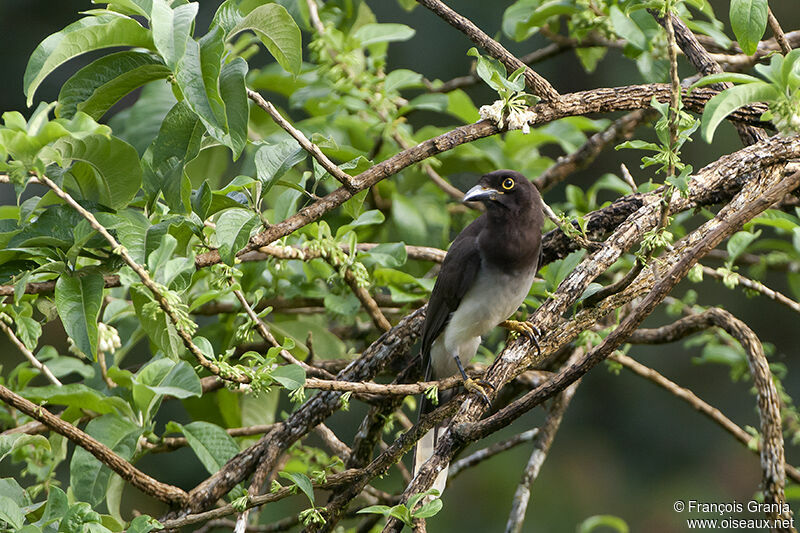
[(476, 386), (528, 329)]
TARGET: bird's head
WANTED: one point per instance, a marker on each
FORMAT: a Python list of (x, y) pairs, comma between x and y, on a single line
[(505, 190)]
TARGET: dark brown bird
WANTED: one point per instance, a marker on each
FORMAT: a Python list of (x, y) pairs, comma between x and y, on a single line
[(485, 276)]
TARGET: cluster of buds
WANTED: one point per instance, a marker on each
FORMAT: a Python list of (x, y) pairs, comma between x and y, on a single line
[(107, 338)]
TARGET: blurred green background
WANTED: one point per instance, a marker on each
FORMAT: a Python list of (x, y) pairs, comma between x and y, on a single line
[(625, 447)]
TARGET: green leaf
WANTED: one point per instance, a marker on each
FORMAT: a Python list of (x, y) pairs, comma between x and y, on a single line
[(375, 509), (401, 78), (274, 160), (486, 68), (197, 75), (78, 301), (237, 110), (129, 7), (626, 28), (11, 513), (731, 99), (165, 377), (172, 29), (749, 21), (302, 482), (738, 243), (212, 444), (278, 31), (99, 85), (722, 77), (115, 175), (383, 33), (85, 35), (603, 521), (80, 518), (233, 231), (178, 142), (291, 377), (56, 506), (88, 476), (143, 524), (429, 509)]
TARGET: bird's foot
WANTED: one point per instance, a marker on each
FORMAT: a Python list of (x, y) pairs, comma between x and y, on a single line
[(476, 386), (528, 329)]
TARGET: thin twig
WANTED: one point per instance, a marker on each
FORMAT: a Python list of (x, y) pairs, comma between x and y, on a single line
[(168, 444), (755, 286), (41, 367), (778, 32), (267, 335), (301, 139)]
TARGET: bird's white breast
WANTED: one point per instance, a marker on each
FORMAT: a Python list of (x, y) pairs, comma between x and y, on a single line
[(495, 295)]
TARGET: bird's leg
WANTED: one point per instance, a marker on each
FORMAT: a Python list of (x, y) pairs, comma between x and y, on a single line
[(528, 329), (474, 386)]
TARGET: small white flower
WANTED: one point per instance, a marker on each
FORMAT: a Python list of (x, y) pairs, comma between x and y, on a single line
[(493, 112), (520, 119)]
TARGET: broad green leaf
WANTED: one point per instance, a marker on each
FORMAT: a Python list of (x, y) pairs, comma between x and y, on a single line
[(212, 444), (10, 488), (278, 31), (11, 513), (172, 28), (78, 301), (722, 77), (383, 33), (409, 220), (168, 378), (274, 160), (486, 67), (88, 476), (197, 75), (749, 21), (730, 100), (738, 243), (177, 143), (237, 110), (291, 377), (375, 509), (56, 506), (233, 231), (429, 509), (626, 28), (401, 78), (131, 230), (99, 85), (115, 175), (302, 482), (85, 35)]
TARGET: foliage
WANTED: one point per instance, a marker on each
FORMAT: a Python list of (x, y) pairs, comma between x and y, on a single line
[(193, 169)]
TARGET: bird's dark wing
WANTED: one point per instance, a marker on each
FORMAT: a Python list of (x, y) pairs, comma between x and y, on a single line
[(458, 273)]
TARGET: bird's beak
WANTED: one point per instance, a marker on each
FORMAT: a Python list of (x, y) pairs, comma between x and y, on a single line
[(479, 193)]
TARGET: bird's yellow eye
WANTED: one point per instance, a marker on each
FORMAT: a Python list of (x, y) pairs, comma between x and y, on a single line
[(508, 184)]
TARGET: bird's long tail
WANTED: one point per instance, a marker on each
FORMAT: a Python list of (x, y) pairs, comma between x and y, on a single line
[(427, 444)]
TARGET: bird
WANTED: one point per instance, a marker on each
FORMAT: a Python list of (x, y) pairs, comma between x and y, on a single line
[(485, 276)]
